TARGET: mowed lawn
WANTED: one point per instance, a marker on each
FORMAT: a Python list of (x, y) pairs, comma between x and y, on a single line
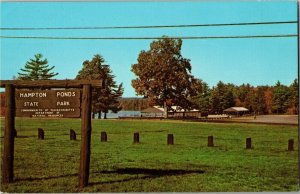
[(52, 165)]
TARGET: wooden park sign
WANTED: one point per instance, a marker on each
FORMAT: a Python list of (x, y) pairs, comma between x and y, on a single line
[(48, 103), (39, 102)]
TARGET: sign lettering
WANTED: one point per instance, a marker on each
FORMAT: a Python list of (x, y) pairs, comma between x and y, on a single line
[(48, 103)]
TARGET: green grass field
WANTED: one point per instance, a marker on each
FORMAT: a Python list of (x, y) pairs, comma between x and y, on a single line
[(52, 165)]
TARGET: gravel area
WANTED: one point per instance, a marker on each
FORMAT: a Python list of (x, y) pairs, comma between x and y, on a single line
[(284, 119)]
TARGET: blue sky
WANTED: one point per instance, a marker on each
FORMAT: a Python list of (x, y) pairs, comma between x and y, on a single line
[(254, 61)]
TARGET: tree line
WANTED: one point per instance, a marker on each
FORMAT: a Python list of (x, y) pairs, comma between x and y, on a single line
[(278, 99), (163, 77)]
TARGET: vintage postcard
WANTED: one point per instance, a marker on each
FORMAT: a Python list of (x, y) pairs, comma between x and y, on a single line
[(149, 96)]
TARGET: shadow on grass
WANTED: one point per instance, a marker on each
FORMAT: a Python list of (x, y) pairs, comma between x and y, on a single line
[(149, 174), (153, 172), (45, 178)]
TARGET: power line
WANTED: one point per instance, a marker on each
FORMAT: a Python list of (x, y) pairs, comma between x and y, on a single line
[(148, 38), (157, 26)]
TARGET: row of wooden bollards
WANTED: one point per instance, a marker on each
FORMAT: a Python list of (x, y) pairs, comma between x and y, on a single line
[(41, 134), (249, 143), (210, 142), (170, 139), (136, 138)]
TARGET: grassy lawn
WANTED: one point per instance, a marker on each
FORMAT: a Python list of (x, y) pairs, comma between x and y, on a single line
[(52, 165)]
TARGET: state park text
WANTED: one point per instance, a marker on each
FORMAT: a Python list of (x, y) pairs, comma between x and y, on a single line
[(48, 103)]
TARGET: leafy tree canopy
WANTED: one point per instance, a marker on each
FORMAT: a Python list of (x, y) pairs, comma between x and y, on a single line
[(163, 74)]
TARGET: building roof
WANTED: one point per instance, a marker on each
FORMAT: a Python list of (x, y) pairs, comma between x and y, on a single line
[(236, 109), (152, 110)]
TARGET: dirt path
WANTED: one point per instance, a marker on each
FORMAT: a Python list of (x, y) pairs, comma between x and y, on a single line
[(273, 119)]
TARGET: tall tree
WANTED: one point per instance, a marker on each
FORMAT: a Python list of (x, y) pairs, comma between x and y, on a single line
[(268, 99), (106, 97), (259, 101), (221, 97), (280, 101), (241, 94), (37, 69), (163, 74), (202, 99), (294, 97)]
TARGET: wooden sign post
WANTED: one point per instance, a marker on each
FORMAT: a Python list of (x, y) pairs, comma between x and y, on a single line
[(86, 130), (8, 155), (35, 103)]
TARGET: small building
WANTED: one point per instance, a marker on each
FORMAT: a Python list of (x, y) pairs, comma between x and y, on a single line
[(238, 111), (178, 112), (175, 112)]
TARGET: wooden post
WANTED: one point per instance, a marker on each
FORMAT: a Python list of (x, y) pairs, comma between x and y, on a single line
[(15, 133), (41, 133), (291, 145), (210, 142), (170, 139), (8, 155), (248, 143), (103, 136), (86, 130), (72, 134), (136, 138)]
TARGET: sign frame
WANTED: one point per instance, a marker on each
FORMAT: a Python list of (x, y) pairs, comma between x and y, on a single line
[(86, 124)]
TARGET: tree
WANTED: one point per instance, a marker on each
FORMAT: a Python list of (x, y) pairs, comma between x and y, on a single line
[(268, 99), (241, 94), (163, 75), (259, 101), (37, 69), (202, 99), (280, 101), (106, 97), (294, 97), (221, 97)]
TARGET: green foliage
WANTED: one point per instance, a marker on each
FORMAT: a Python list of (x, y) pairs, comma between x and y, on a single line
[(37, 69), (260, 100), (294, 97), (281, 96), (106, 97), (221, 97), (202, 98), (260, 106), (163, 74), (52, 165)]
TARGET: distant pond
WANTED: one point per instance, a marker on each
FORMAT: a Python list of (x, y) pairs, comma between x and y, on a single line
[(122, 113)]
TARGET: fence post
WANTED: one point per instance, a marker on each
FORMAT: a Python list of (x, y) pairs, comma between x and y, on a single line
[(8, 154), (136, 138), (103, 136), (291, 145), (86, 130), (210, 142), (170, 139), (41, 133), (248, 143), (72, 134), (15, 133)]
